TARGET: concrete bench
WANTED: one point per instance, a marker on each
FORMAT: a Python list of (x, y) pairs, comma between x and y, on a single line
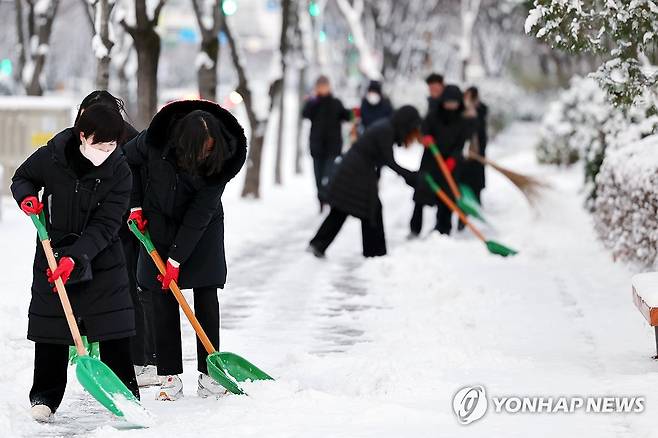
[(645, 297)]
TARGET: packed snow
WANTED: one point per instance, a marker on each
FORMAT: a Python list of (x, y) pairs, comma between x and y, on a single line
[(378, 347)]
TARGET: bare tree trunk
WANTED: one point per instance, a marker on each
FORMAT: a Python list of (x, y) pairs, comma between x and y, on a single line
[(284, 44), (147, 45), (469, 13), (299, 151), (32, 57), (103, 66), (257, 126), (207, 62)]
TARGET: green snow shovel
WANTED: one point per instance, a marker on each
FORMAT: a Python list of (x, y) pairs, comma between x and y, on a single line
[(92, 349), (468, 204), (492, 246), (94, 376), (227, 369)]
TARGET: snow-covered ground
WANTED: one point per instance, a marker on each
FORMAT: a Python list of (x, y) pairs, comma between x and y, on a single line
[(371, 348)]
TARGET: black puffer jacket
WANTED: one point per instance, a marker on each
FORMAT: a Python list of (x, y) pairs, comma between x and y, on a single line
[(326, 114), (75, 193), (450, 131), (184, 212), (353, 188)]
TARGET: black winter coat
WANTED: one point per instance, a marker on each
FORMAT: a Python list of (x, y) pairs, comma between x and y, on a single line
[(326, 114), (371, 113), (184, 212), (353, 189), (450, 131), (98, 196)]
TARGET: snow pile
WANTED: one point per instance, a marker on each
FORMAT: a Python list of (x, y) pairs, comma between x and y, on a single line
[(626, 209), (581, 124)]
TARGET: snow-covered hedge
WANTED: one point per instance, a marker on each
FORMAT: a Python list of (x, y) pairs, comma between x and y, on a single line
[(626, 208), (581, 125)]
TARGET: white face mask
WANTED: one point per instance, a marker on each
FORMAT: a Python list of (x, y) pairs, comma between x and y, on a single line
[(373, 98), (97, 156)]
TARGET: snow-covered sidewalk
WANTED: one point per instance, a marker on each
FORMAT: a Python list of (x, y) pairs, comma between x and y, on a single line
[(364, 348)]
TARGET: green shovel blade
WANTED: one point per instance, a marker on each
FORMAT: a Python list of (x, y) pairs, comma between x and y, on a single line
[(93, 350), (468, 203), (101, 382), (500, 249), (228, 369), (241, 369)]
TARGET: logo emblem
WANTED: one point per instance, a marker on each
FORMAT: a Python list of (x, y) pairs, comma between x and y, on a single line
[(470, 404)]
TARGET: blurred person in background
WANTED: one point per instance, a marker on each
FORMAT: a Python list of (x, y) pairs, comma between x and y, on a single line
[(326, 114)]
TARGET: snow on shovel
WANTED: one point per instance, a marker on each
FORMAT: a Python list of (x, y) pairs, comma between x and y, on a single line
[(492, 246), (467, 203), (227, 369), (94, 376)]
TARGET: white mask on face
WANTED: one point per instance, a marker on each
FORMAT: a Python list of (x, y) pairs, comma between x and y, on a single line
[(373, 98), (97, 156)]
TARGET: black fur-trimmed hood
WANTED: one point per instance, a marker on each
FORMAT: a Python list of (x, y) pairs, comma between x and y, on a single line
[(159, 131)]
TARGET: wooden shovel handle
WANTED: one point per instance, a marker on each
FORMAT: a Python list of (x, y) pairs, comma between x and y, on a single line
[(183, 303), (64, 298), (446, 173), (451, 205)]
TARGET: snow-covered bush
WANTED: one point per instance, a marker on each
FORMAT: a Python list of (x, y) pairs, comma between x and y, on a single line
[(626, 213), (581, 125)]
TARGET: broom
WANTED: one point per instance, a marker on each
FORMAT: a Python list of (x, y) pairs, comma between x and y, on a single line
[(529, 186)]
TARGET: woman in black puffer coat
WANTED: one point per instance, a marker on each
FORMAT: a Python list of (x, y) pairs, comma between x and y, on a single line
[(181, 165), (86, 189), (353, 190), (450, 131)]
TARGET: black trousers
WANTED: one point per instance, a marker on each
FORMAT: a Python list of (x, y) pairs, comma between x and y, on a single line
[(142, 345), (321, 167), (372, 233), (51, 363), (443, 219), (168, 332)]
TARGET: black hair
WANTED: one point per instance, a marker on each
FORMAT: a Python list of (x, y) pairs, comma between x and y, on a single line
[(190, 136), (103, 122), (102, 97), (473, 91), (322, 80), (406, 120), (434, 78), (375, 86)]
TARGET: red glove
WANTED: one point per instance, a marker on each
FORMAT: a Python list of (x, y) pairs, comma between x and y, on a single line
[(171, 274), (137, 216), (451, 163), (427, 140), (63, 271), (31, 205), (356, 112)]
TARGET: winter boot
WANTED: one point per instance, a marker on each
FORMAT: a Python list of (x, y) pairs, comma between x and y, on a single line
[(42, 413), (171, 388), (147, 375), (208, 387)]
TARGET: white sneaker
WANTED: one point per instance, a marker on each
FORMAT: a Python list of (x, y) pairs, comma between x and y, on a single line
[(171, 389), (42, 413), (147, 375), (208, 387)]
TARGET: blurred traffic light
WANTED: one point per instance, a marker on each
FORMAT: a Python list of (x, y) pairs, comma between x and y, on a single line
[(229, 7), (6, 67), (314, 9)]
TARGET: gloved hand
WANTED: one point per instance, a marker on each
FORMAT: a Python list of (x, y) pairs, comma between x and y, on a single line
[(137, 215), (451, 163), (356, 112), (31, 205), (63, 271), (170, 274), (427, 140)]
